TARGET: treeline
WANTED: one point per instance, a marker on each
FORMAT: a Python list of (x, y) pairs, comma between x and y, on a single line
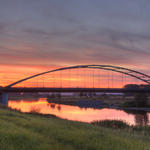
[(140, 99), (136, 86)]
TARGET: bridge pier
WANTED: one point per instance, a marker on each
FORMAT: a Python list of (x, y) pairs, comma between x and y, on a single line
[(4, 98)]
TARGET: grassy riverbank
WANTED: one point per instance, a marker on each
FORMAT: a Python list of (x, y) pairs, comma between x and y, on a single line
[(37, 132)]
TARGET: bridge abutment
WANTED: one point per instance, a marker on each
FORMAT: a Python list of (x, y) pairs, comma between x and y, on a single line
[(4, 98)]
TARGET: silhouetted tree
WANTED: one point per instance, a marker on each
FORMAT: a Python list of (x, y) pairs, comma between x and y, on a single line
[(141, 117), (131, 87)]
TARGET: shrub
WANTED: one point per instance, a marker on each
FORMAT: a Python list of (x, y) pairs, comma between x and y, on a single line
[(116, 124)]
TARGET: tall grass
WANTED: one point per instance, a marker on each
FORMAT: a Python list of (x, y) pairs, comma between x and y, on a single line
[(20, 131)]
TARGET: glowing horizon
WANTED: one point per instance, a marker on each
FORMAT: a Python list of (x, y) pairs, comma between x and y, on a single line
[(86, 78)]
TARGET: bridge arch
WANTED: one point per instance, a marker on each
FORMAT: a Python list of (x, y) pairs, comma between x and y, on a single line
[(133, 73)]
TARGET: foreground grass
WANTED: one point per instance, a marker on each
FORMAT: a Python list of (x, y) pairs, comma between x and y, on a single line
[(20, 131)]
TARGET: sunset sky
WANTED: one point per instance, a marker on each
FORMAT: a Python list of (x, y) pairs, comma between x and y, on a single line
[(37, 35)]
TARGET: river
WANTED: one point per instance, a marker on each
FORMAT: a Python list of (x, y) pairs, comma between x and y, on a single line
[(80, 114)]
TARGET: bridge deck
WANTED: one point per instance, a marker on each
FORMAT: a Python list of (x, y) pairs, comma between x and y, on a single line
[(111, 90)]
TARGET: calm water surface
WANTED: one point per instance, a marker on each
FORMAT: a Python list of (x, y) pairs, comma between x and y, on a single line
[(80, 114)]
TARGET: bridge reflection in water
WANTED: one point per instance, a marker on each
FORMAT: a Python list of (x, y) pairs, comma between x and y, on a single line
[(79, 114)]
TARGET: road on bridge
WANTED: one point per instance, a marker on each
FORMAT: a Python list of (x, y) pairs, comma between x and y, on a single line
[(107, 90)]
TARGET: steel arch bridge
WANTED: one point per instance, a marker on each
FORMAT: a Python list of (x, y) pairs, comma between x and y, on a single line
[(129, 72)]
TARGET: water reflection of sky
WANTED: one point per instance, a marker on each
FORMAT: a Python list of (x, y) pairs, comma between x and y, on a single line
[(76, 113)]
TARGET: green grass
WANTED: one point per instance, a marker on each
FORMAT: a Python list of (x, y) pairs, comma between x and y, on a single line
[(20, 131)]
